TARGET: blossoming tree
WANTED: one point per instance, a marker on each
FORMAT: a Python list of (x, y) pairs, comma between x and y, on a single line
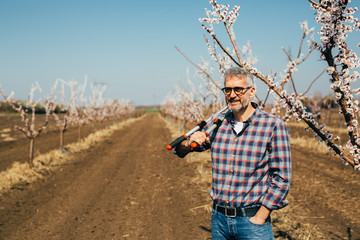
[(69, 113), (28, 119), (336, 20)]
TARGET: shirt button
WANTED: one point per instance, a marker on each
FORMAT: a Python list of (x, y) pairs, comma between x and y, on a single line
[(232, 170)]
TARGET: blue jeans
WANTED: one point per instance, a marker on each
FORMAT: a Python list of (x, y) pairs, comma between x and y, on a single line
[(226, 228)]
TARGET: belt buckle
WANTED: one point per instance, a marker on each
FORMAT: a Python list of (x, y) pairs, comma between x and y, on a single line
[(226, 212)]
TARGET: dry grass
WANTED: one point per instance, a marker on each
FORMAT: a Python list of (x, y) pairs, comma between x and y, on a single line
[(287, 228), (311, 144), (5, 130), (20, 173), (5, 135), (332, 130)]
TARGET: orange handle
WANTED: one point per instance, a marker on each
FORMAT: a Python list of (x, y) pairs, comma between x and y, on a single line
[(194, 145)]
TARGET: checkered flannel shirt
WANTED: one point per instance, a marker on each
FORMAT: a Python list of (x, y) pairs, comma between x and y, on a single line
[(251, 168)]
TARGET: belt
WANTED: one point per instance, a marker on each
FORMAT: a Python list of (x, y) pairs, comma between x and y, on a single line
[(236, 211)]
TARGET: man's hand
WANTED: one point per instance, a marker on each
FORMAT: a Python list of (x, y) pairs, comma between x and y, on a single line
[(199, 137), (261, 216), (257, 220)]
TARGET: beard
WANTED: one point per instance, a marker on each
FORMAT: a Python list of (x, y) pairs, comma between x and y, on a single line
[(243, 105)]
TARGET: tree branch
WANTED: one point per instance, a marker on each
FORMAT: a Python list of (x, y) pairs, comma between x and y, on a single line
[(313, 82), (232, 41), (206, 73), (309, 122), (315, 3)]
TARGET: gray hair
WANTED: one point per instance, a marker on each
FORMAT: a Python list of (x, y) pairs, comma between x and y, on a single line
[(238, 72)]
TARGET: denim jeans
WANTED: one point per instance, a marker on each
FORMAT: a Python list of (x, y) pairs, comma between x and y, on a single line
[(225, 228)]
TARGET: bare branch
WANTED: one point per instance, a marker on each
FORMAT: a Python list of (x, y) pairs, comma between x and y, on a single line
[(216, 58), (301, 43), (232, 41), (267, 96), (313, 81), (313, 2), (221, 46), (290, 74), (205, 72), (307, 55)]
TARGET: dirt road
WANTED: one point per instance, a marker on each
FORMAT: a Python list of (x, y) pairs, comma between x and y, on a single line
[(125, 188)]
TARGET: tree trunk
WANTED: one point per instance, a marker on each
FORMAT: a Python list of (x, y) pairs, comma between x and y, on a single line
[(31, 155), (79, 131), (61, 138)]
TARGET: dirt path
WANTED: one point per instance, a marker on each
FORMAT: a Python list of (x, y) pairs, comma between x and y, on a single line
[(125, 188)]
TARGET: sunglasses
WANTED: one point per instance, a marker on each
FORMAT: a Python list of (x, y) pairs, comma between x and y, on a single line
[(237, 90)]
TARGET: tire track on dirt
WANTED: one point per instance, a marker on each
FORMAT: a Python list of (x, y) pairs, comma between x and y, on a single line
[(128, 187)]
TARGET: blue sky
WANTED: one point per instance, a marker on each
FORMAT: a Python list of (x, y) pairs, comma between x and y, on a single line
[(129, 45)]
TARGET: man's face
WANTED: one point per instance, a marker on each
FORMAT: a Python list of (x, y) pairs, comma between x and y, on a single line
[(238, 102)]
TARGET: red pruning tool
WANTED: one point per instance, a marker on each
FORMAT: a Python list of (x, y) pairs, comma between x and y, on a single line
[(199, 127)]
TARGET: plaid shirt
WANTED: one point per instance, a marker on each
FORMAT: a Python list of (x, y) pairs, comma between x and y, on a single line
[(251, 168)]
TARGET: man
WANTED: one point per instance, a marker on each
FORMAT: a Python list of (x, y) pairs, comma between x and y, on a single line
[(251, 163)]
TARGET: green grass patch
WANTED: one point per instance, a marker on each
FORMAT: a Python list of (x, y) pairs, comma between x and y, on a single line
[(9, 114), (152, 110)]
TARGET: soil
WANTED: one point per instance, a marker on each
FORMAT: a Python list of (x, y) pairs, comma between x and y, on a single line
[(17, 150), (131, 187)]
